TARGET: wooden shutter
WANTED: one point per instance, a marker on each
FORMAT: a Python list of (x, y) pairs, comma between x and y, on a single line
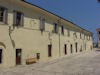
[(22, 19), (5, 16), (14, 17), (42, 24)]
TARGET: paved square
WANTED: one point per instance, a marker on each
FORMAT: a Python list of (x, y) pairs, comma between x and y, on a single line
[(85, 63)]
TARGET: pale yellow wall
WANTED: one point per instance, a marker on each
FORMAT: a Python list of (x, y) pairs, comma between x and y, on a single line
[(30, 39)]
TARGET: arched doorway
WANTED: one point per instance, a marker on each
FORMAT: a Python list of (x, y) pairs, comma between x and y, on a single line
[(2, 47)]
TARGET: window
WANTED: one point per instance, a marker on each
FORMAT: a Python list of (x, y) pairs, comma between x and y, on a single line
[(55, 28), (49, 50), (84, 37), (68, 33), (71, 47), (65, 49), (42, 24), (81, 48), (3, 14), (0, 56), (74, 34), (62, 30), (80, 35), (18, 18)]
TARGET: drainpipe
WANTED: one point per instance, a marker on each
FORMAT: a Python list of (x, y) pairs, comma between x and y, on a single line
[(13, 44), (59, 23)]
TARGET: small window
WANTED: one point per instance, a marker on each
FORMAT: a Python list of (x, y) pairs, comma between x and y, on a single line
[(49, 50), (0, 56), (18, 18), (55, 28), (3, 14), (62, 30), (42, 24), (65, 49)]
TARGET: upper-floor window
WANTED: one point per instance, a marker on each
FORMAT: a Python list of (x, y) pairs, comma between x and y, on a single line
[(68, 33), (84, 37), (42, 24), (56, 28), (80, 35), (3, 15), (75, 35), (62, 30), (18, 18)]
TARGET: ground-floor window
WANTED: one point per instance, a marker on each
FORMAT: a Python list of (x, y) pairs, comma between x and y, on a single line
[(71, 47), (65, 49), (0, 56), (76, 47), (49, 50), (81, 49)]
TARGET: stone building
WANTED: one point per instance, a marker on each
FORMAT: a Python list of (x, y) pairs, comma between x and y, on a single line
[(98, 36), (29, 33)]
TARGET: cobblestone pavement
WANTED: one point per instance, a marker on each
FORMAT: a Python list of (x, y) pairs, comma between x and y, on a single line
[(85, 63)]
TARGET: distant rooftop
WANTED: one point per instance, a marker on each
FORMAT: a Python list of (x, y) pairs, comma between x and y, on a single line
[(98, 29)]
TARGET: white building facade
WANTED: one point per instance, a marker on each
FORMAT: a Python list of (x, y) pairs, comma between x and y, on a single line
[(30, 33)]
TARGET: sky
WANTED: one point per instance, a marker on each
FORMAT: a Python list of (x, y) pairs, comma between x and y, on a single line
[(85, 13)]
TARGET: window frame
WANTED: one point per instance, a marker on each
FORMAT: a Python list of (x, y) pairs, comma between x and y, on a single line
[(68, 33), (15, 12), (42, 23), (56, 28), (62, 29), (5, 15)]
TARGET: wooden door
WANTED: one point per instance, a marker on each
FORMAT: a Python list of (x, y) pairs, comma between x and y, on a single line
[(49, 50), (0, 55), (18, 56)]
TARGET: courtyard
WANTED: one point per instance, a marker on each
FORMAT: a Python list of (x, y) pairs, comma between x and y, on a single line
[(84, 63)]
